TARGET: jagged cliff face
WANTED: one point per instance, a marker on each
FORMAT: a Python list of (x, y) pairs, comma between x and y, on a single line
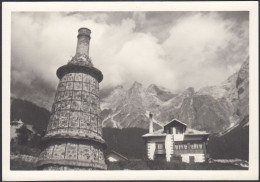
[(213, 108), (242, 85), (226, 94), (127, 108), (233, 94), (198, 111)]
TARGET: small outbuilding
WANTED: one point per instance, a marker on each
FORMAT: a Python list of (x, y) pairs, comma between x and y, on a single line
[(114, 156)]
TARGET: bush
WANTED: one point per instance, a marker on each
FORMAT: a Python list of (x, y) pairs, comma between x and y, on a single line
[(163, 165), (125, 165), (18, 164), (116, 165), (20, 149)]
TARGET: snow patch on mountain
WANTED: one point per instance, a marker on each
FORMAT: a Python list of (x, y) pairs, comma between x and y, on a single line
[(111, 119)]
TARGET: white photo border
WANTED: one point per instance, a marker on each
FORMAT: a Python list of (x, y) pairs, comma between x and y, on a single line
[(250, 174)]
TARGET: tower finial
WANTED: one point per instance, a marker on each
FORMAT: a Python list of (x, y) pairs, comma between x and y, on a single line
[(83, 42), (82, 52)]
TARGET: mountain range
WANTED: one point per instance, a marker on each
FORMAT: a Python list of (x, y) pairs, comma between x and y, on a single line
[(222, 110), (212, 108)]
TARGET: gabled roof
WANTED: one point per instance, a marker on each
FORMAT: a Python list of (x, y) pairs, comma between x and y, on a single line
[(155, 133), (175, 120), (116, 153), (190, 131)]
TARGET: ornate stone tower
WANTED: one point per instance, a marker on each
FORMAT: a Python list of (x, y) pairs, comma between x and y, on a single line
[(73, 139)]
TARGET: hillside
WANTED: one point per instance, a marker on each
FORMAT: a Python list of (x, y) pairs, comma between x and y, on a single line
[(127, 141), (37, 91), (230, 144), (30, 114), (233, 143)]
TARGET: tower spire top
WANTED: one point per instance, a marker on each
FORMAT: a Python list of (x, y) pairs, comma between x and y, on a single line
[(83, 41), (82, 51)]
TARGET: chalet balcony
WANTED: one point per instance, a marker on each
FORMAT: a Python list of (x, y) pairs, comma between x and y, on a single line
[(189, 151), (160, 151)]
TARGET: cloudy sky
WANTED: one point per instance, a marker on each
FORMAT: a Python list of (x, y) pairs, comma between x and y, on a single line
[(171, 49)]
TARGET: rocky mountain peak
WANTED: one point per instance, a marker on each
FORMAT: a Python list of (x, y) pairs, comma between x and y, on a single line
[(136, 85), (155, 89), (135, 90), (189, 92), (120, 87), (151, 89)]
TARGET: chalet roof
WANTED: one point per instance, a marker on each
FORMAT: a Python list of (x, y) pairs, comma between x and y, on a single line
[(116, 153), (155, 133), (175, 120), (190, 131)]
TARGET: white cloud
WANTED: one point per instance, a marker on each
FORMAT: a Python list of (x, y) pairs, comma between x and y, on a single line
[(189, 57), (196, 49)]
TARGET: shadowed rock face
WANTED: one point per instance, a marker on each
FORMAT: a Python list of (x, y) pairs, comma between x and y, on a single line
[(203, 112), (242, 85)]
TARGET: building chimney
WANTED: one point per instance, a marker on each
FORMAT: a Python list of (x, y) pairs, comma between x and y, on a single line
[(83, 42), (151, 122)]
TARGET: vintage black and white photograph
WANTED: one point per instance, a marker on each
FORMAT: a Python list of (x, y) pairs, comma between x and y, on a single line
[(130, 90)]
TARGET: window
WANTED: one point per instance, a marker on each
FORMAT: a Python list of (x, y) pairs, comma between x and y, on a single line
[(160, 146), (168, 130), (196, 146), (181, 146), (179, 130)]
